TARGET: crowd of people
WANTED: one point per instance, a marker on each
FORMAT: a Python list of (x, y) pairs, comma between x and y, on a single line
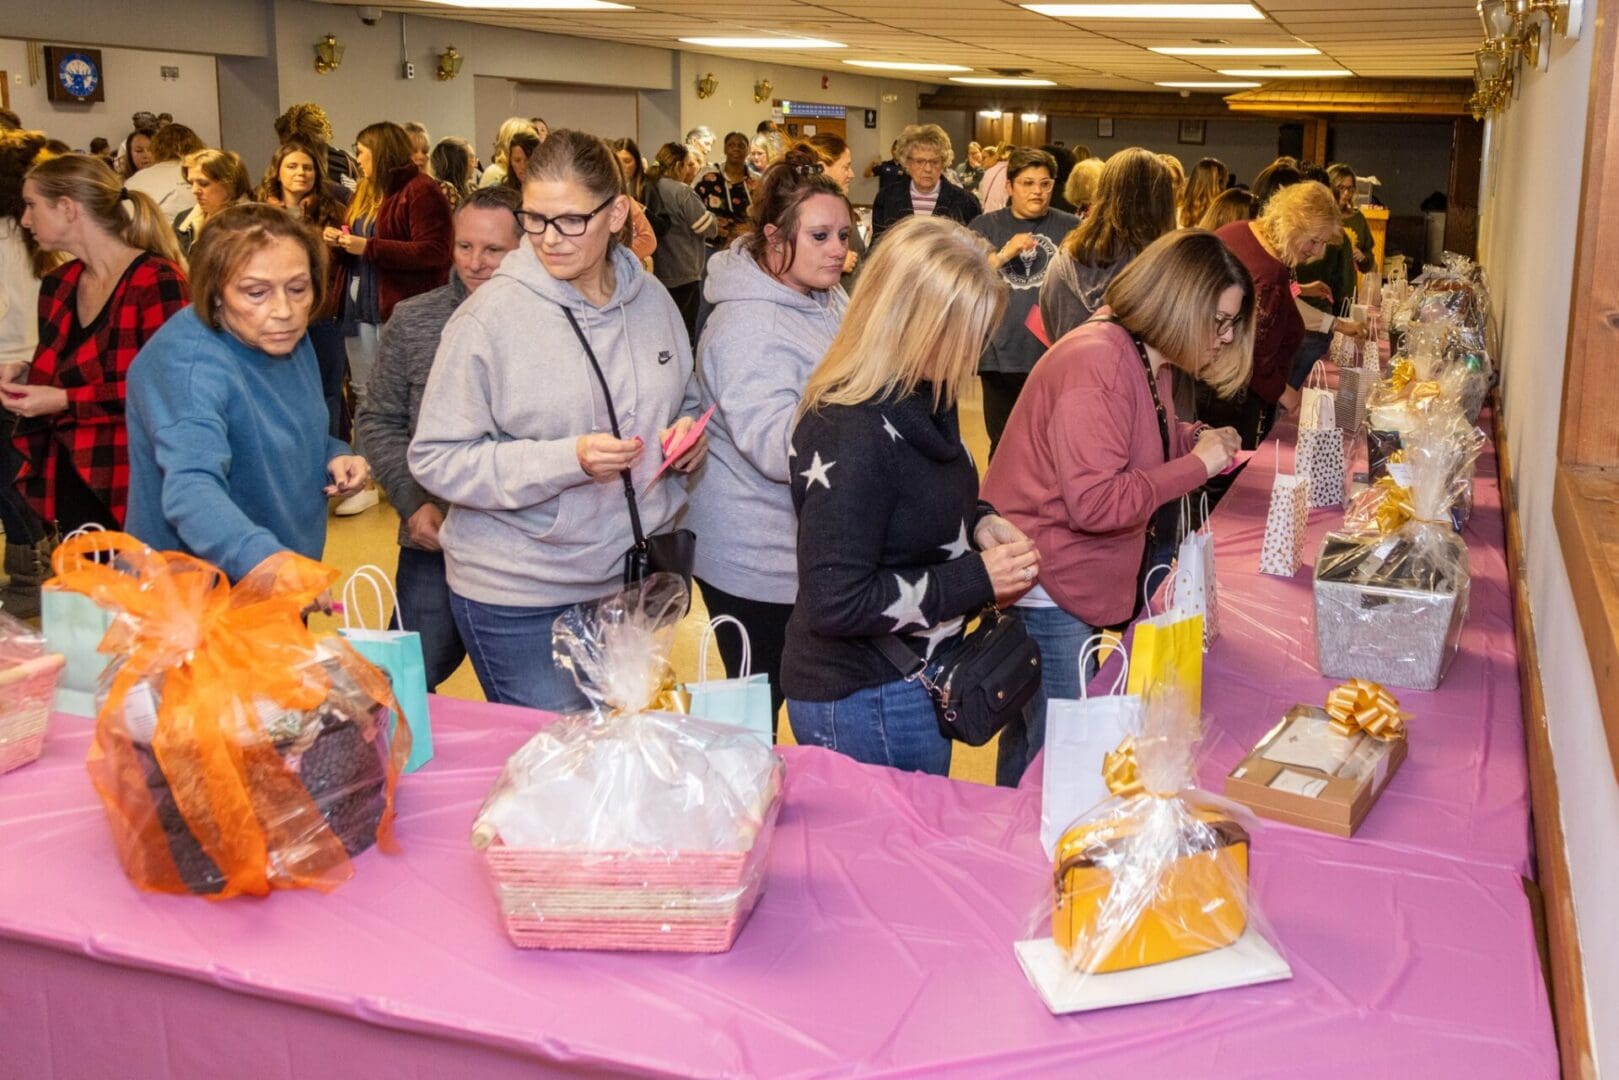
[(210, 363)]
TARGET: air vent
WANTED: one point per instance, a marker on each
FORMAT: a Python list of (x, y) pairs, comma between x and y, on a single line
[(1012, 73), (1211, 41)]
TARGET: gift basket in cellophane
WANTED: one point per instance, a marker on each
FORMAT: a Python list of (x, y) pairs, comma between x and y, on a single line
[(235, 751), (630, 826), (1452, 302), (28, 674)]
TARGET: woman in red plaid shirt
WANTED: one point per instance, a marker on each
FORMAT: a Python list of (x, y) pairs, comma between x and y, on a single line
[(95, 312)]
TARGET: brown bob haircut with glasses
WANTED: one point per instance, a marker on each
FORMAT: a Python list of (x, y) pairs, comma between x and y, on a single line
[(232, 237), (1025, 158), (1168, 296)]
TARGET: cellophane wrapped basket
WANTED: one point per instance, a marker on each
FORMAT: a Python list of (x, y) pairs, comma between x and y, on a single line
[(28, 675), (630, 827)]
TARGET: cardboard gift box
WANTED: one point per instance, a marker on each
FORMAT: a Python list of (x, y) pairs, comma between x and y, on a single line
[(1305, 772)]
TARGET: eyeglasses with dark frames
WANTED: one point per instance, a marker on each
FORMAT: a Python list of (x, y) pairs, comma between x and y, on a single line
[(566, 224)]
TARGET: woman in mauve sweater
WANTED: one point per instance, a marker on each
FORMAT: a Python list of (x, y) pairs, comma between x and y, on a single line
[(1094, 448), (892, 537)]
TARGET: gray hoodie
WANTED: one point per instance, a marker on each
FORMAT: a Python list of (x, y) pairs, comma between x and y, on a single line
[(1073, 291), (759, 345), (509, 395)]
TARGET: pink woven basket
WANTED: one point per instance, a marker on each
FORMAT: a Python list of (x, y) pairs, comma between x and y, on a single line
[(27, 690), (695, 901)]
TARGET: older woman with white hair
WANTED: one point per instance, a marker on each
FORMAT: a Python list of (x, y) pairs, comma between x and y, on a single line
[(924, 151)]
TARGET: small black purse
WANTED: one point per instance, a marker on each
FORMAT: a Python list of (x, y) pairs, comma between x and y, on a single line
[(983, 683), (673, 552)]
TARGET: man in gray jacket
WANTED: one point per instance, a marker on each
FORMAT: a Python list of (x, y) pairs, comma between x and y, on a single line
[(485, 230)]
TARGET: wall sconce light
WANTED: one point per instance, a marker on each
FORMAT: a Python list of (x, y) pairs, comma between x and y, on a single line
[(328, 54), (990, 114), (449, 64), (761, 90), (1031, 117), (707, 85)]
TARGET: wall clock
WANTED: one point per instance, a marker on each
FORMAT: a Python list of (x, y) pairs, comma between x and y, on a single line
[(74, 73)]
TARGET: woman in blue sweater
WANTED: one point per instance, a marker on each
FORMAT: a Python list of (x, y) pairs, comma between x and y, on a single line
[(229, 453)]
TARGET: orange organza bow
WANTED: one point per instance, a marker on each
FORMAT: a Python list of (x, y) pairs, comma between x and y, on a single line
[(1362, 705), (217, 650)]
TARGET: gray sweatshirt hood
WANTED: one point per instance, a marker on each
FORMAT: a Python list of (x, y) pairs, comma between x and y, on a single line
[(734, 275), (522, 264)]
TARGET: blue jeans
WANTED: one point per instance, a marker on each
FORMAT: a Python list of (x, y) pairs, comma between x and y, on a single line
[(424, 606), (893, 724), (510, 649), (332, 356), (1312, 347), (1060, 636)]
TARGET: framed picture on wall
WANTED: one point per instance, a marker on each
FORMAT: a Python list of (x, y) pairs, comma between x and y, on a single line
[(73, 74), (1104, 127), (1192, 132)]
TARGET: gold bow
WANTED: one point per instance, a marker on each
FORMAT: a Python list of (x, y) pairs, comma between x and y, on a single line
[(1401, 375), (1394, 507), (1362, 705), (670, 697), (1424, 393), (1119, 769), (1397, 457)]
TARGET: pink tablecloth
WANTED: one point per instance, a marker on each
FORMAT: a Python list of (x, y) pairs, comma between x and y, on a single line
[(1463, 793), (881, 946)]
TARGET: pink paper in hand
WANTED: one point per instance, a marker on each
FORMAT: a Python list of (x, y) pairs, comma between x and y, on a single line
[(673, 451), (1238, 460)]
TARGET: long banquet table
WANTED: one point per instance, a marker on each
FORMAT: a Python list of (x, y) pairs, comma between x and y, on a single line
[(880, 947)]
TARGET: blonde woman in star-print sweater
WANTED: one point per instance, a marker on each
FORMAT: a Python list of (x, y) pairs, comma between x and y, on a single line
[(892, 537)]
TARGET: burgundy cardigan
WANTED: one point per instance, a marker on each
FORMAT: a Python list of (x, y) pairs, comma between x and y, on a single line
[(1278, 327), (410, 246)]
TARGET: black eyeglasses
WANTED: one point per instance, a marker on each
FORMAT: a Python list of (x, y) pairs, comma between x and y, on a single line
[(566, 224), (1226, 324)]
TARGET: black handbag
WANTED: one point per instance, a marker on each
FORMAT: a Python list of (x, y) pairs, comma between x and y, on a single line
[(983, 683), (673, 552)]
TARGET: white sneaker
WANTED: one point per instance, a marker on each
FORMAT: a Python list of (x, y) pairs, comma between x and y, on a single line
[(358, 503)]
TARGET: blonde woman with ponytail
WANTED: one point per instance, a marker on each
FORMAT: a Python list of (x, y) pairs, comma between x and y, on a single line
[(123, 281)]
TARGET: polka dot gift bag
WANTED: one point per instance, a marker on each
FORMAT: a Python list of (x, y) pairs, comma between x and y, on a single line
[(1283, 549)]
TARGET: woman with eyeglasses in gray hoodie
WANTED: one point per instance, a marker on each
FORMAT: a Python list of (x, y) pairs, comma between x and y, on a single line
[(515, 432), (777, 304)]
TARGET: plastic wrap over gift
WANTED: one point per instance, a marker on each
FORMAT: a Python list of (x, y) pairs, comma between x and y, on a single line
[(628, 827), (234, 751), (28, 674), (1390, 603), (1452, 439)]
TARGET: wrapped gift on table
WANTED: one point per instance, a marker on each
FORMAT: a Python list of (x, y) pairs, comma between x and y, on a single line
[(1324, 768)]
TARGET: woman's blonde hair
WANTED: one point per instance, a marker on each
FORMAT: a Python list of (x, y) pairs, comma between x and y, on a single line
[(1080, 190), (1296, 211), (132, 216), (503, 138), (1168, 296), (927, 304), (926, 135), (223, 167)]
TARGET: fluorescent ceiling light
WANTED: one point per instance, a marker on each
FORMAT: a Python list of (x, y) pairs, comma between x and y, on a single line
[(1208, 85), (1288, 73), (901, 65), (763, 43), (1234, 50), (1148, 11), (1000, 82), (536, 5)]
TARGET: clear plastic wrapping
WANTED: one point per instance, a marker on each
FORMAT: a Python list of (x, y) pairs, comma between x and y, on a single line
[(1390, 601), (1447, 314), (1159, 872), (630, 827), (234, 751), (1454, 444), (28, 674)]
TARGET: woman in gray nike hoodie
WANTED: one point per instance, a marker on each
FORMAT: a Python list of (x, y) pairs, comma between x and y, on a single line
[(515, 433), (777, 303)]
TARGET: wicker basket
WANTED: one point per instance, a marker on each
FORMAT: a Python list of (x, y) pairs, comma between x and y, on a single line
[(691, 902), (26, 692)]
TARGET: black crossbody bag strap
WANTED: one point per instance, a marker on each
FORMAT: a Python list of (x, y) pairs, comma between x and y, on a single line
[(612, 418)]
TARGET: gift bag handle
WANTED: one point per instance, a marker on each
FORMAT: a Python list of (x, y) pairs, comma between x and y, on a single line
[(381, 588), (709, 635), (1146, 586), (1095, 644), (1318, 377)]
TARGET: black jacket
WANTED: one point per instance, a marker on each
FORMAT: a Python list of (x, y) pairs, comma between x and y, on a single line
[(893, 204)]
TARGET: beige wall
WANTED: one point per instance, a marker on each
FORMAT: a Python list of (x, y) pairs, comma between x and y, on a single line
[(133, 81), (1530, 218)]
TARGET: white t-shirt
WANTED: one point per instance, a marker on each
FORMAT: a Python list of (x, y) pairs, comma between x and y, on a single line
[(19, 297), (166, 185)]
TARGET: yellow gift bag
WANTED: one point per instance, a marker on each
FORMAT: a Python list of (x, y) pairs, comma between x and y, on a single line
[(1168, 652)]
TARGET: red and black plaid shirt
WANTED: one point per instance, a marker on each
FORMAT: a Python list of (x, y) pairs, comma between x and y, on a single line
[(91, 367)]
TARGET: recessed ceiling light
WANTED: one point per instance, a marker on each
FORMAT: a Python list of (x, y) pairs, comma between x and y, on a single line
[(1234, 50), (1208, 85), (1288, 73), (1148, 11), (537, 5), (1000, 82), (901, 65), (763, 43)]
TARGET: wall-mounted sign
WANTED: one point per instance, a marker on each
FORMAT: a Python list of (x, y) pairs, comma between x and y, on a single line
[(871, 118), (813, 111), (74, 73)]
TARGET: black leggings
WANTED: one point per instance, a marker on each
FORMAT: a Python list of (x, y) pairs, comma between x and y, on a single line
[(1001, 390), (767, 633)]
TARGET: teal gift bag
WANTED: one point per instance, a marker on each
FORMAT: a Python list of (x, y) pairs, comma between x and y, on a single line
[(743, 702), (74, 625), (397, 652)]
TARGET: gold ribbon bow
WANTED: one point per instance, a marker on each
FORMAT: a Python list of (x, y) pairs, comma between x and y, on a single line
[(1394, 507), (1119, 769), (1397, 457), (670, 697), (1362, 705), (1424, 394), (1401, 375)]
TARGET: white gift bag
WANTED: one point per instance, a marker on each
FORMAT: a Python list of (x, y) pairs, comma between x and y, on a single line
[(1343, 351), (1319, 458), (1285, 524), (1078, 735), (1192, 587), (1317, 403)]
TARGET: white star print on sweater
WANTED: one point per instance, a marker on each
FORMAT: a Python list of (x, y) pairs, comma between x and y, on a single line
[(906, 610), (816, 473)]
